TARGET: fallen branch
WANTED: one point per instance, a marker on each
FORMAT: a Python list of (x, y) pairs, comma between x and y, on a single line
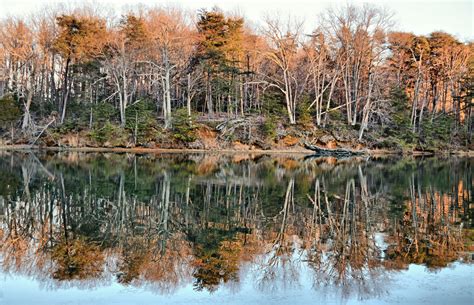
[(229, 126), (45, 127), (338, 153)]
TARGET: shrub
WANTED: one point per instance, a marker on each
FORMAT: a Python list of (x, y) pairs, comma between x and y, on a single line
[(9, 111), (109, 133), (269, 128), (141, 119), (103, 112), (183, 128), (304, 115), (336, 115), (273, 104), (387, 143), (400, 114), (65, 128), (436, 133)]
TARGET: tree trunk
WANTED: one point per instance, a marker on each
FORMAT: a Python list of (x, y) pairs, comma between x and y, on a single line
[(210, 106), (289, 99), (26, 116), (123, 100), (188, 99), (65, 90), (167, 99), (367, 109)]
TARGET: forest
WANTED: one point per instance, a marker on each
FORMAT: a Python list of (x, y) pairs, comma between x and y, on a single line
[(165, 77)]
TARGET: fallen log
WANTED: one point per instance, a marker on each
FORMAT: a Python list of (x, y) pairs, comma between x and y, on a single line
[(338, 152)]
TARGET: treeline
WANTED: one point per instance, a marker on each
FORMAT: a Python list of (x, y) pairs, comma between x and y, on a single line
[(155, 67)]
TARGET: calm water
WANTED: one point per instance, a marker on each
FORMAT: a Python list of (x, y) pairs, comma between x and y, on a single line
[(80, 228)]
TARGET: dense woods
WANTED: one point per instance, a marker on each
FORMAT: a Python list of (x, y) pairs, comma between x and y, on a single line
[(162, 76)]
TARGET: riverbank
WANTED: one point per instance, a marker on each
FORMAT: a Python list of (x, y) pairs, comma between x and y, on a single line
[(295, 150), (249, 135)]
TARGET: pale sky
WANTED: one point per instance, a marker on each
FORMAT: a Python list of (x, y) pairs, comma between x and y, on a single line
[(417, 16)]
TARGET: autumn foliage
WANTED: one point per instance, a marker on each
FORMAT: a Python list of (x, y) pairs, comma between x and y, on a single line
[(61, 65)]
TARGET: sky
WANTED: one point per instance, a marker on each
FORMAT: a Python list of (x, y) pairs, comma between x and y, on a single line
[(417, 16)]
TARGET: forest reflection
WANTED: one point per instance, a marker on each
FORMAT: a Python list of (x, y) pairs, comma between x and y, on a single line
[(166, 221)]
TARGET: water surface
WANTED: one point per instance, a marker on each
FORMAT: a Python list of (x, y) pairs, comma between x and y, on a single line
[(87, 228)]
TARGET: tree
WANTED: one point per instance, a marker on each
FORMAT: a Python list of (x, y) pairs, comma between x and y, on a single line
[(217, 53), (18, 40), (172, 39), (359, 33), (324, 73), (79, 39), (431, 69), (122, 53), (283, 53)]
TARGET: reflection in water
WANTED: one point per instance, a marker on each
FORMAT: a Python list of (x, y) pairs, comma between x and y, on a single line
[(167, 221)]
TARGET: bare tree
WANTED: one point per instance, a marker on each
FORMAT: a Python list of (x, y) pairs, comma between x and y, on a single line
[(324, 73), (121, 55), (359, 34), (284, 39), (171, 38)]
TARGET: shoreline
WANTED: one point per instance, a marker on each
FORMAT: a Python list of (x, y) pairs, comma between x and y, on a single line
[(299, 151)]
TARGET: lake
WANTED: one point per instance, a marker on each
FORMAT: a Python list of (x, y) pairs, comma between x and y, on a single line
[(109, 228)]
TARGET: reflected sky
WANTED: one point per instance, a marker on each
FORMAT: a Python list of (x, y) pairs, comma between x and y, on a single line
[(417, 285)]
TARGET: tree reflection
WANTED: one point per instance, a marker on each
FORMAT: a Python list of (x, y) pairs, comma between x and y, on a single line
[(77, 259), (342, 250), (429, 232), (163, 222), (280, 264)]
